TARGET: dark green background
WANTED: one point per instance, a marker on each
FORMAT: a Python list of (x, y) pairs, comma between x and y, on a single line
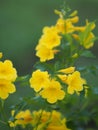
[(21, 22)]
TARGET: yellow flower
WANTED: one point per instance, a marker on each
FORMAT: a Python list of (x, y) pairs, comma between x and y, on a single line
[(1, 54), (75, 82), (45, 53), (68, 70), (6, 87), (50, 38), (53, 92), (7, 71), (22, 118), (39, 80)]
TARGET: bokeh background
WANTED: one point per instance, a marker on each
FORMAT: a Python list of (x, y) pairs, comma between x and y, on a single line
[(21, 23)]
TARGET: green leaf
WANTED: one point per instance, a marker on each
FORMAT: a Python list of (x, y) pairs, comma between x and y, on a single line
[(83, 35), (87, 54)]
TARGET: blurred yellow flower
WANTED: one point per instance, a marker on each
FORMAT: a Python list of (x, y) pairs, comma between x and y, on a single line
[(75, 82), (22, 118), (6, 87), (49, 120), (40, 120), (53, 92), (39, 80), (56, 118), (40, 116), (7, 71)]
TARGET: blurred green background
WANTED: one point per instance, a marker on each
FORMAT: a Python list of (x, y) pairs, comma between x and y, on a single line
[(21, 23)]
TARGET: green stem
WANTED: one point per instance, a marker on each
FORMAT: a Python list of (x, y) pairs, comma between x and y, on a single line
[(2, 110), (3, 114)]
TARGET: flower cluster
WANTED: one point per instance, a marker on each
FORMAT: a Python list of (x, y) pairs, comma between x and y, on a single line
[(46, 46), (8, 75), (73, 79), (48, 88), (51, 89), (51, 38), (40, 120), (63, 80)]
